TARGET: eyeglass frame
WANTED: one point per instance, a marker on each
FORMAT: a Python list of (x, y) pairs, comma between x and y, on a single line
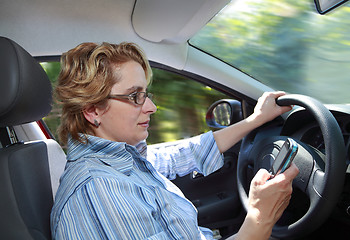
[(131, 97)]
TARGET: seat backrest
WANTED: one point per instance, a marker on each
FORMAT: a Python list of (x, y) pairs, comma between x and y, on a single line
[(57, 163), (57, 157), (25, 186)]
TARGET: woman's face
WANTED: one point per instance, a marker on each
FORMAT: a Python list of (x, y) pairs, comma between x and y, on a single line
[(123, 120)]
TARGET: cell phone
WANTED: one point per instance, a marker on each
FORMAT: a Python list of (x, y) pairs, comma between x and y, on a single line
[(284, 158)]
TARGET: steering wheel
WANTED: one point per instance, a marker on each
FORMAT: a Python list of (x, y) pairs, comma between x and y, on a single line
[(322, 185)]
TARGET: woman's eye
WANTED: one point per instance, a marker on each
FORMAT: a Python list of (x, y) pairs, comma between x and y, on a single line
[(133, 95)]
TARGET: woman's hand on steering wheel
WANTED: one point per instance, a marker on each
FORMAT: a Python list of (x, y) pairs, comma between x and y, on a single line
[(267, 109)]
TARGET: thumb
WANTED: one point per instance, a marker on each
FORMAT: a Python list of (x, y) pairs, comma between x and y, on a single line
[(261, 177)]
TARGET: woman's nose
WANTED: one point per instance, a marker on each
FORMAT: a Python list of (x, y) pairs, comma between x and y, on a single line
[(149, 106)]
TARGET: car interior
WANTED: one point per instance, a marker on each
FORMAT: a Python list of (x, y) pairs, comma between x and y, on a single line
[(33, 33), (25, 168)]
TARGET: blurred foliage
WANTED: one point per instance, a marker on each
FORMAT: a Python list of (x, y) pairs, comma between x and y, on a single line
[(181, 105), (284, 44)]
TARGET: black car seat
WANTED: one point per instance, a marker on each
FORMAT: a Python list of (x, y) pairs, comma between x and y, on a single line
[(25, 187)]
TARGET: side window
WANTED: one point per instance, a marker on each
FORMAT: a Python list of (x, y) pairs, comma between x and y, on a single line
[(181, 105)]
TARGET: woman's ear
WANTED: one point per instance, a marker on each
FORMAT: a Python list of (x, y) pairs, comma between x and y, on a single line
[(91, 115)]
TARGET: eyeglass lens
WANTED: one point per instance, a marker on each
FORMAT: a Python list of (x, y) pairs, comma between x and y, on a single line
[(141, 97)]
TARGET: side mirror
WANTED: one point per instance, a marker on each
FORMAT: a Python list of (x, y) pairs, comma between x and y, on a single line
[(224, 113)]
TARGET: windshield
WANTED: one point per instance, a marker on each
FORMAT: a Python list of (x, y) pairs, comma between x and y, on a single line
[(285, 44)]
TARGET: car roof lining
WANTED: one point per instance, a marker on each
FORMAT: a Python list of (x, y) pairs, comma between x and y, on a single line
[(50, 28)]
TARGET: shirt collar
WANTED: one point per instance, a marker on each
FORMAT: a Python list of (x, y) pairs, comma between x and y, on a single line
[(118, 155), (142, 148)]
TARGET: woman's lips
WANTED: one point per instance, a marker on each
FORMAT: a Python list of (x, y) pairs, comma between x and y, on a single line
[(144, 124)]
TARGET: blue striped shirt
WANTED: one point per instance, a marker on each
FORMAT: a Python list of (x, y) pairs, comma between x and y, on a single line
[(110, 191)]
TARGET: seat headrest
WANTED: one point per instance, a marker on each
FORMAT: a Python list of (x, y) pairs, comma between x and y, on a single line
[(25, 90)]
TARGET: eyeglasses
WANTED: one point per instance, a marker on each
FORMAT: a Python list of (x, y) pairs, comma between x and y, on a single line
[(138, 98)]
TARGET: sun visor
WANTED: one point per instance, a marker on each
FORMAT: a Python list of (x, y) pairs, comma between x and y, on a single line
[(173, 21)]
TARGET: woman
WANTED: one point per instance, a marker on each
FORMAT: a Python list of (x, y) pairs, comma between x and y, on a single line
[(109, 190)]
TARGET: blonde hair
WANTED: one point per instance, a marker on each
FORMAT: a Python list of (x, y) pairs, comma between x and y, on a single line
[(87, 76)]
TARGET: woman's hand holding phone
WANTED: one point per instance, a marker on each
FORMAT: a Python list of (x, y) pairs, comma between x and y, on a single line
[(267, 201)]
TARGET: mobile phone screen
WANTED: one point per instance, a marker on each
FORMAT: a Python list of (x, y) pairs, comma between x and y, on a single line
[(285, 157)]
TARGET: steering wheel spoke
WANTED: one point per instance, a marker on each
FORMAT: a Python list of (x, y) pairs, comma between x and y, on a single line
[(321, 176)]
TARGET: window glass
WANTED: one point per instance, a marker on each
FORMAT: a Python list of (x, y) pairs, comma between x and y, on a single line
[(181, 105), (285, 44)]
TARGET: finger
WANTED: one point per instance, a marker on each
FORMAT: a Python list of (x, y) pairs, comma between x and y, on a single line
[(283, 108), (272, 96), (291, 172), (282, 207), (285, 179), (286, 108), (261, 176), (278, 94)]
